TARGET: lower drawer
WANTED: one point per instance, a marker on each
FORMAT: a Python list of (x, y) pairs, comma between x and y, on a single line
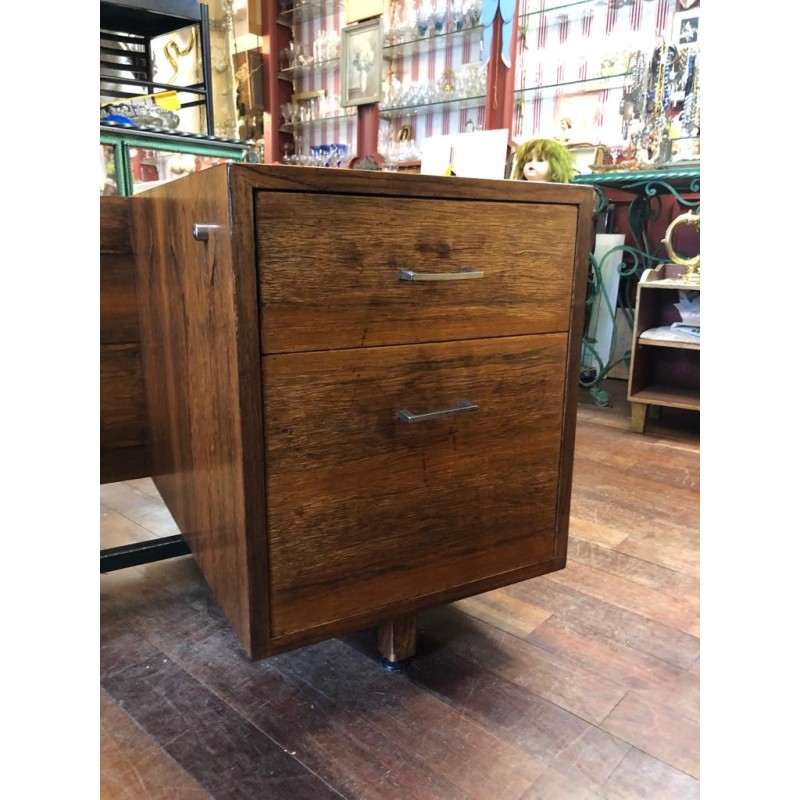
[(365, 510)]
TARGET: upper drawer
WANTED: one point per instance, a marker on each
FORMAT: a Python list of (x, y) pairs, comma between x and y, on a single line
[(324, 283)]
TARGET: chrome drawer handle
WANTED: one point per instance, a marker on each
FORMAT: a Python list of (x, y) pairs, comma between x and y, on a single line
[(465, 274), (404, 415)]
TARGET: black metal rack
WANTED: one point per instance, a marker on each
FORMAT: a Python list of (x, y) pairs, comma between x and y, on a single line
[(127, 28)]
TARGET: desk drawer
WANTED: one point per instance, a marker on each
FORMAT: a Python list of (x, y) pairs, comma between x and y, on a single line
[(324, 283), (365, 510)]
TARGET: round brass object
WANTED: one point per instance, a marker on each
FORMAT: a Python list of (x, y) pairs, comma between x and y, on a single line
[(692, 265)]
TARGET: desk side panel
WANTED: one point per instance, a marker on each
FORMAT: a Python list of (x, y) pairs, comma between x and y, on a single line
[(123, 425), (191, 358), (584, 238)]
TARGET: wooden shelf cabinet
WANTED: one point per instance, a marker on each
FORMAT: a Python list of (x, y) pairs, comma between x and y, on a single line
[(662, 372), (340, 445)]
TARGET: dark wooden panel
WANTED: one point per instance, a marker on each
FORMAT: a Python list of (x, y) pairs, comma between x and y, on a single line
[(123, 425), (199, 303), (124, 463), (335, 283), (115, 231), (122, 413), (119, 316), (365, 511)]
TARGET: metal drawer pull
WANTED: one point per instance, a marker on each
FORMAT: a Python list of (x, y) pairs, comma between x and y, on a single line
[(466, 274), (404, 415), (200, 231)]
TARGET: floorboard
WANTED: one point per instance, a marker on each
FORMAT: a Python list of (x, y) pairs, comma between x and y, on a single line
[(582, 684)]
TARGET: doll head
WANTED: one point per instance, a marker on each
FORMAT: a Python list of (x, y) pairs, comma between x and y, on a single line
[(543, 160)]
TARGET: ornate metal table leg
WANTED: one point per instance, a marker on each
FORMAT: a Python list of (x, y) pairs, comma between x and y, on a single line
[(397, 641)]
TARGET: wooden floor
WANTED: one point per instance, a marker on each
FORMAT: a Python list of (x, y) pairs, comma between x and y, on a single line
[(580, 684)]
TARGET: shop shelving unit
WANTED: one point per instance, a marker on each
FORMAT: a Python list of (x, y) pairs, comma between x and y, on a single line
[(127, 29), (664, 372)]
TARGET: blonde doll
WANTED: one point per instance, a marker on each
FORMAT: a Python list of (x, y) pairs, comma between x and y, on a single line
[(543, 160)]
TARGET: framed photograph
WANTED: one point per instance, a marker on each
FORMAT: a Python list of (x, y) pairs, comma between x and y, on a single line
[(686, 28), (362, 63)]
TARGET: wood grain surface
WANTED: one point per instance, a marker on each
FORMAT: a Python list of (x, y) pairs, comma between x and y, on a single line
[(365, 511), (193, 295), (329, 267)]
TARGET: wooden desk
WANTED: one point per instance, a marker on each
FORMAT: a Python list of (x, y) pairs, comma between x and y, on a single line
[(361, 388)]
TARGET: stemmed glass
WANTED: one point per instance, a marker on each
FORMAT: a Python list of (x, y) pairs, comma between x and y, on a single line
[(424, 12), (439, 15)]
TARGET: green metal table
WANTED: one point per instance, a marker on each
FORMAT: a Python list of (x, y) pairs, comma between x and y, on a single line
[(120, 138), (647, 187)]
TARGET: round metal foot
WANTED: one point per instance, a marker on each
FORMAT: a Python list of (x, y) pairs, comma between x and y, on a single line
[(395, 666)]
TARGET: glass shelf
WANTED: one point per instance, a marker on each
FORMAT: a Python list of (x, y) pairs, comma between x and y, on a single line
[(587, 85), (307, 10), (574, 10), (293, 73), (456, 104), (431, 44), (293, 127)]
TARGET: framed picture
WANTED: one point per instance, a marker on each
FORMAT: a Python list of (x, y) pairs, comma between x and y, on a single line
[(249, 82), (362, 63), (579, 115), (588, 156), (686, 28), (356, 10)]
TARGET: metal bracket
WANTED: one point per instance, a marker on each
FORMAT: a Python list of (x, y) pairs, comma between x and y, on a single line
[(201, 230)]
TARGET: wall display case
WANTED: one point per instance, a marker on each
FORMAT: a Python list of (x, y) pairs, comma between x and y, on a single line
[(432, 78), (322, 131), (334, 447), (435, 76), (575, 61)]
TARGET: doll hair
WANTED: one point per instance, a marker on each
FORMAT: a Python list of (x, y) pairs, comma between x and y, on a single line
[(560, 158)]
